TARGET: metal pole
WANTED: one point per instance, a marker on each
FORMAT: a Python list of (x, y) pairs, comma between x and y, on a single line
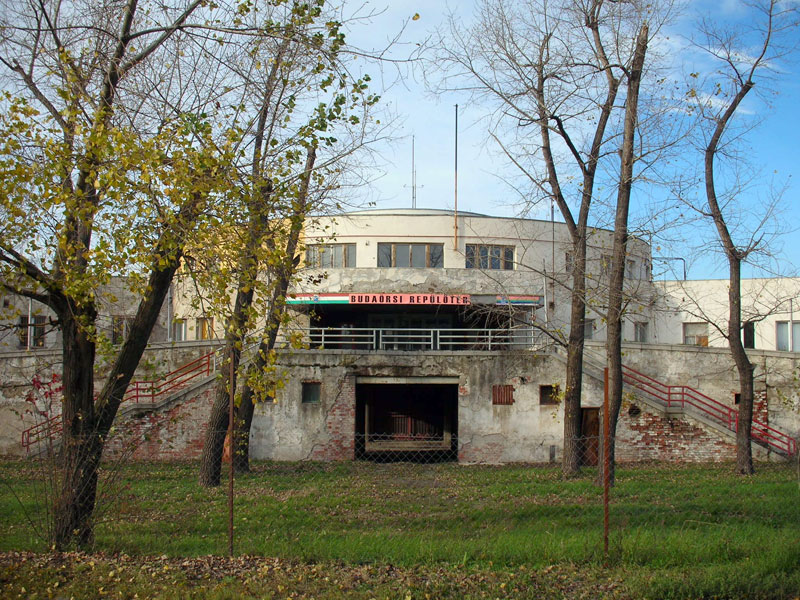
[(606, 463), (230, 441), (455, 210), (413, 176)]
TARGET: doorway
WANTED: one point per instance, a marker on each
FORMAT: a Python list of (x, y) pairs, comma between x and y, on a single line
[(590, 436), (408, 420)]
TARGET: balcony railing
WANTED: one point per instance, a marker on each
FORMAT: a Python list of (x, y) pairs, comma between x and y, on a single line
[(386, 339)]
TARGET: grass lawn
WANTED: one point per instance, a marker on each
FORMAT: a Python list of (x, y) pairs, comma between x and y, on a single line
[(442, 530)]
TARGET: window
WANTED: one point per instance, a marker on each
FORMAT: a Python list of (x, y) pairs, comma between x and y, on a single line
[(120, 327), (695, 334), (179, 330), (630, 269), (204, 328), (605, 264), (331, 256), (569, 262), (588, 329), (31, 333), (749, 334), (482, 256), (782, 341), (640, 332), (311, 392), (417, 256), (548, 394), (502, 395)]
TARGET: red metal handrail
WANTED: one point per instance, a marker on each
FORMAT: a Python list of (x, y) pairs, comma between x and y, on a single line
[(681, 395), (49, 428), (138, 391)]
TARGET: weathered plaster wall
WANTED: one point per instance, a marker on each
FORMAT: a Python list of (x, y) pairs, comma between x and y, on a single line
[(291, 430), (18, 369), (522, 432), (712, 371), (174, 432)]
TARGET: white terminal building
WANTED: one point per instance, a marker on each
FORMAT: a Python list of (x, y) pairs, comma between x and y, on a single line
[(431, 331)]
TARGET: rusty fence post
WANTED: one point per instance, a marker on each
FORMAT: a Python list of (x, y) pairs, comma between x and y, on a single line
[(230, 478), (606, 464)]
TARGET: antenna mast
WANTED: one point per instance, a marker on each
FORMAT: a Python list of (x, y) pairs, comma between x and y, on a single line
[(413, 176)]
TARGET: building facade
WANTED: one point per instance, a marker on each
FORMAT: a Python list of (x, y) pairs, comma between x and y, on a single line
[(432, 332)]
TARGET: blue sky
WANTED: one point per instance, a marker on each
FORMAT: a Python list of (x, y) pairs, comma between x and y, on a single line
[(485, 180)]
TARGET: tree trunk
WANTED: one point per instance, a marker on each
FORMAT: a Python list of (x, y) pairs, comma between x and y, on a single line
[(244, 421), (571, 461), (744, 449), (284, 272), (735, 256), (74, 505), (620, 250), (218, 424), (235, 335)]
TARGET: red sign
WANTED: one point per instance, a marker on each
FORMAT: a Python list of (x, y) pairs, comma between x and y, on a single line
[(456, 299)]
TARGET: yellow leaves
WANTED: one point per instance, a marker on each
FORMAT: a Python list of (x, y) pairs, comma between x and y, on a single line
[(415, 17)]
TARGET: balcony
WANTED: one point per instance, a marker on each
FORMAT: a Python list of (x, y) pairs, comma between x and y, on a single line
[(424, 340)]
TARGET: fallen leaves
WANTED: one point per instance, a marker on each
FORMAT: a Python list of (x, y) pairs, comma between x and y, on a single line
[(25, 574)]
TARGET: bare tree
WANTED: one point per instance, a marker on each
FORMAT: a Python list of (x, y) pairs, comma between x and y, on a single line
[(620, 243), (774, 24), (554, 70)]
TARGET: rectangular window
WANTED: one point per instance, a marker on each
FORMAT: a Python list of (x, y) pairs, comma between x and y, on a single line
[(640, 332), (630, 269), (484, 256), (588, 329), (502, 395), (416, 256), (569, 262), (605, 264), (419, 256), (782, 336), (471, 261), (179, 330), (204, 328), (312, 392), (331, 256), (22, 331), (120, 326), (548, 394), (749, 334), (695, 334), (384, 255), (32, 333)]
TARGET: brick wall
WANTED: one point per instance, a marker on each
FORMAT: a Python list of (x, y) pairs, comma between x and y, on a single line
[(650, 436), (174, 434), (340, 424)]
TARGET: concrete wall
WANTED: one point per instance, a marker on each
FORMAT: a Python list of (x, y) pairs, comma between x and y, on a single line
[(712, 371), (290, 430), (522, 432), (173, 433)]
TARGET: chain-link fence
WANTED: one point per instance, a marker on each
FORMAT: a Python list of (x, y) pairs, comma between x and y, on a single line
[(409, 498)]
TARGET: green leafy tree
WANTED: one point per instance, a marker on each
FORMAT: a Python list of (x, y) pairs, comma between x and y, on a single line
[(308, 116), (109, 162)]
